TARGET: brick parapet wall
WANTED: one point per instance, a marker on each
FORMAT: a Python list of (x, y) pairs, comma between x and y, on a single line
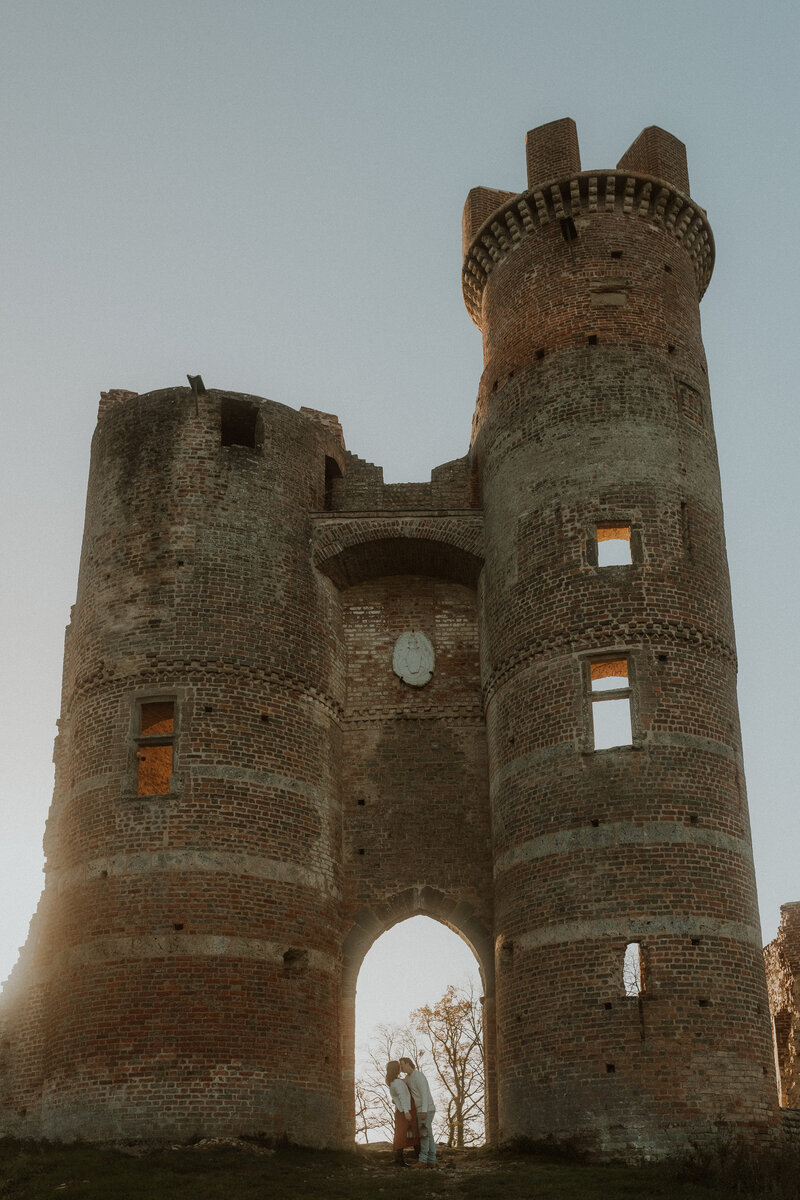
[(361, 488)]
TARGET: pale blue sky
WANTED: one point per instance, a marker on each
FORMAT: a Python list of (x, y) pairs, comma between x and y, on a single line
[(270, 194)]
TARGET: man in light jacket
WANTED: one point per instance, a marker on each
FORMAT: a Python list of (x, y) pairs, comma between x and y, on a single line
[(418, 1086)]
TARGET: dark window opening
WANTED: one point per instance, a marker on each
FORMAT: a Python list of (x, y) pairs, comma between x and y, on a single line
[(155, 744), (332, 471), (238, 422)]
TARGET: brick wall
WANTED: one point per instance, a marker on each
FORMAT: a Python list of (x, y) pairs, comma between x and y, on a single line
[(591, 336)]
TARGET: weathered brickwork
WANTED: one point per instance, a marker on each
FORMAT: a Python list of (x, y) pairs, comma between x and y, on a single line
[(782, 957), (192, 967)]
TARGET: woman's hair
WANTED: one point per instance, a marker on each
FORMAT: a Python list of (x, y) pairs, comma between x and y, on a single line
[(392, 1071)]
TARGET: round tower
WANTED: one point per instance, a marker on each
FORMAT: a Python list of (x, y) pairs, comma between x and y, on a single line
[(631, 1001), (190, 953)]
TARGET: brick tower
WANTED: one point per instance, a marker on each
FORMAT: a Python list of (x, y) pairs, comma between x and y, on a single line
[(620, 827), (301, 705)]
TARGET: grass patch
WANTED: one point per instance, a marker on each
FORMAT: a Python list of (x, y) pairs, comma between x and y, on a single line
[(35, 1171)]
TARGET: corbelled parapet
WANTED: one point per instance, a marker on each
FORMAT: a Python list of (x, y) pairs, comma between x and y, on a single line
[(650, 183)]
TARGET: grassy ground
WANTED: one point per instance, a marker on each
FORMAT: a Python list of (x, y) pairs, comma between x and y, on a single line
[(32, 1171)]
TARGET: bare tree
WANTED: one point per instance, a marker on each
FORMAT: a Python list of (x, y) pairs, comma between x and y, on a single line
[(453, 1029)]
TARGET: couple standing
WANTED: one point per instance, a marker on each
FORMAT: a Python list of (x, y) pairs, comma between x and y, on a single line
[(414, 1111)]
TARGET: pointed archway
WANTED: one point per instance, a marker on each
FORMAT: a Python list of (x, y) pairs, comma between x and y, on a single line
[(369, 925)]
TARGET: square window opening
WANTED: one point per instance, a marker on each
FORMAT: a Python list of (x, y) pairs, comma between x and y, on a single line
[(238, 422), (614, 546)]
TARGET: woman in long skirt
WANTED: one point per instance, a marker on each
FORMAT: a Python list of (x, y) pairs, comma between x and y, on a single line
[(405, 1115)]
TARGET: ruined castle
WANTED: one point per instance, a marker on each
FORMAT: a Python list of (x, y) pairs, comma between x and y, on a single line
[(301, 705)]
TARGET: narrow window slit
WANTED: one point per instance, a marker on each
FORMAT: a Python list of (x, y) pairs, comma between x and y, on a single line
[(633, 971)]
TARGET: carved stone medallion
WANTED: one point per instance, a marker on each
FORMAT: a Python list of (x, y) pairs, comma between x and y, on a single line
[(413, 659)]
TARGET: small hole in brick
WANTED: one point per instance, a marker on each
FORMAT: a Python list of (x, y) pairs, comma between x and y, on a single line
[(361, 850), (362, 802), (510, 374), (693, 819), (704, 1002), (494, 386), (180, 562), (295, 958), (265, 717), (610, 1068), (208, 708), (595, 822), (695, 941), (178, 925), (519, 1019), (104, 874), (670, 349), (540, 354), (616, 254), (668, 268), (607, 1004), (663, 657), (592, 339)]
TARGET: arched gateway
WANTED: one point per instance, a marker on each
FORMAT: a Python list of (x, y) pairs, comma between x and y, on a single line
[(300, 705)]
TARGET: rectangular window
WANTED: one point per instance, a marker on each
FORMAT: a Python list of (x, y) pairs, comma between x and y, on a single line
[(633, 970), (610, 698), (614, 545), (155, 745), (238, 420)]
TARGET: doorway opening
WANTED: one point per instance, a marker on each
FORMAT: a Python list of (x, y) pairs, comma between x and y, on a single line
[(420, 995)]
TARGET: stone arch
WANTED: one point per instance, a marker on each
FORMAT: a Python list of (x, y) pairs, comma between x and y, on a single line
[(350, 552), (374, 920)]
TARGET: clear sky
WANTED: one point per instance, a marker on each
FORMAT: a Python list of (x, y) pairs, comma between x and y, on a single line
[(270, 194)]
